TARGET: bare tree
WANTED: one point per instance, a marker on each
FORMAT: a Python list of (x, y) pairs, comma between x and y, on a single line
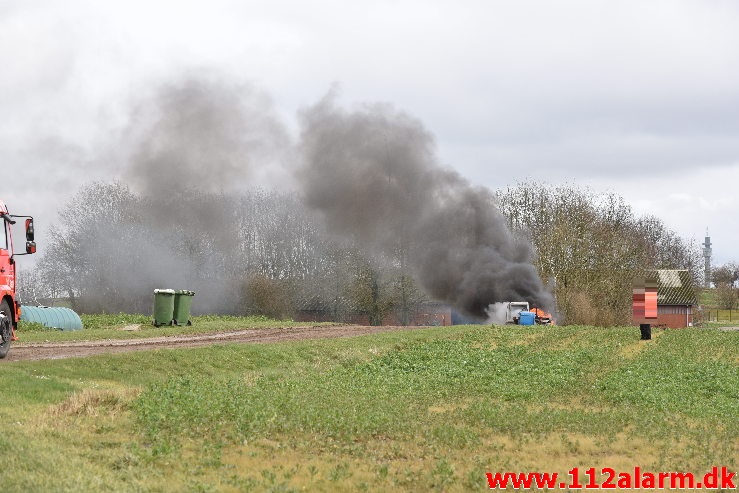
[(268, 297), (370, 293), (590, 247), (726, 274), (725, 278), (726, 296)]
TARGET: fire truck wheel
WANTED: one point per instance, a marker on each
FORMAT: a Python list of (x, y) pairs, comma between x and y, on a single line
[(6, 331)]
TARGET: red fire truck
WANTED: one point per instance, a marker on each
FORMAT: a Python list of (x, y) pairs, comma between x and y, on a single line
[(10, 310)]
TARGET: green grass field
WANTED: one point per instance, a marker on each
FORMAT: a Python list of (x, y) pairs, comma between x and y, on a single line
[(431, 409), (708, 300), (707, 297)]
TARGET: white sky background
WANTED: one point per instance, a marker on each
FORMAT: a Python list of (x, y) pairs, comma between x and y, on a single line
[(637, 97)]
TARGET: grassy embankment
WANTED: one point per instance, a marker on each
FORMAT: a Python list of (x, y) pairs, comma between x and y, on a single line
[(707, 298), (125, 326), (427, 409)]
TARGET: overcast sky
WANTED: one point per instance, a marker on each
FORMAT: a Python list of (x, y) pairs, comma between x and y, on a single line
[(637, 97)]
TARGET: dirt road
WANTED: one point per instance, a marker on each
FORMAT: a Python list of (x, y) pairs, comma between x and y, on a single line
[(59, 350)]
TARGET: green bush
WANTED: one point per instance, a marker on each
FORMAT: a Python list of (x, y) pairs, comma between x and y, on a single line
[(33, 327)]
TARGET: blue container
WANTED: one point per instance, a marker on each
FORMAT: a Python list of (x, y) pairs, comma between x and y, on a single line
[(526, 318), (56, 317)]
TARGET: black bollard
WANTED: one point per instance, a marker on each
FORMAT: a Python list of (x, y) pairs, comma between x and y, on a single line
[(646, 331)]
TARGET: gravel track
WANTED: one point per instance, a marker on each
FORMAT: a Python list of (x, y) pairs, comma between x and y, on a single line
[(60, 350)]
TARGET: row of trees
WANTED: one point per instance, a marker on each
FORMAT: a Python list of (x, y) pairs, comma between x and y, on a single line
[(261, 252), (256, 252), (591, 246)]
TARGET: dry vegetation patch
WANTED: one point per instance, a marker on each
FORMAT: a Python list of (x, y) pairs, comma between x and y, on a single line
[(94, 402)]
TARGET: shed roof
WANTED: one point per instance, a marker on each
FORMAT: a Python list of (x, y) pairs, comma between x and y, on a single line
[(674, 287)]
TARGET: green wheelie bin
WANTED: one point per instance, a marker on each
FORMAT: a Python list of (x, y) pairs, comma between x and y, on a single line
[(182, 304), (164, 307)]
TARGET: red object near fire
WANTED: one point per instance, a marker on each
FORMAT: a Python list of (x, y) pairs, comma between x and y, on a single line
[(10, 310), (542, 317)]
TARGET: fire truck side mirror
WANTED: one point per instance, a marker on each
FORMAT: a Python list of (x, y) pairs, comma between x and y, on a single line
[(29, 233), (30, 247)]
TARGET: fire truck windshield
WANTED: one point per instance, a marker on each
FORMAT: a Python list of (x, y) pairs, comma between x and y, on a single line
[(4, 237)]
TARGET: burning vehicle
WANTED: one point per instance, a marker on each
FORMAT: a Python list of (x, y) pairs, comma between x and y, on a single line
[(517, 313)]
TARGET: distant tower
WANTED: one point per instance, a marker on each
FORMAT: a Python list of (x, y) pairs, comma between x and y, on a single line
[(707, 258)]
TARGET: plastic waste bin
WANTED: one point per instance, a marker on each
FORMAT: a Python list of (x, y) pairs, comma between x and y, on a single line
[(646, 331), (182, 304), (164, 307), (526, 318)]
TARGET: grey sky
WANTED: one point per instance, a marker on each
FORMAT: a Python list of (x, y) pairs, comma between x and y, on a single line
[(638, 97)]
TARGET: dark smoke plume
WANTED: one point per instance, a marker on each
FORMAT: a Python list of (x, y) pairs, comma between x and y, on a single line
[(196, 146), (373, 175), (193, 146), (206, 135)]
